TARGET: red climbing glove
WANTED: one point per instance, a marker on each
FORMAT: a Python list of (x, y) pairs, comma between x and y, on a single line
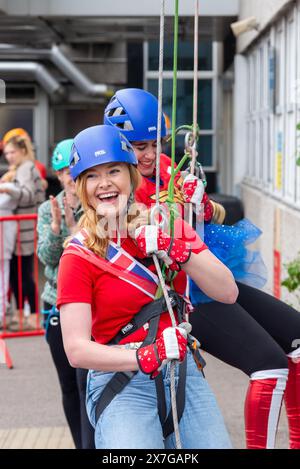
[(152, 240), (171, 345), (193, 189), (173, 251), (208, 208)]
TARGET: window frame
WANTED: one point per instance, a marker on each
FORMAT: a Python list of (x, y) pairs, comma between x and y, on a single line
[(275, 149), (189, 75)]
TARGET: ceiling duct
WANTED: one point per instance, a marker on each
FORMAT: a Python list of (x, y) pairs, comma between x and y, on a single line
[(33, 70), (76, 76), (64, 64)]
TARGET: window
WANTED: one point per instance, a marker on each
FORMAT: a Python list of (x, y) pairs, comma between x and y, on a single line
[(207, 86), (184, 103), (14, 116), (185, 58), (69, 120), (290, 110), (274, 110)]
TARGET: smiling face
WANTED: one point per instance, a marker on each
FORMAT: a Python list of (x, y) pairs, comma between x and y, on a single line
[(108, 188), (146, 155)]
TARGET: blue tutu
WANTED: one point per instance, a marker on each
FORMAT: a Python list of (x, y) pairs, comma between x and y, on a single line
[(229, 245)]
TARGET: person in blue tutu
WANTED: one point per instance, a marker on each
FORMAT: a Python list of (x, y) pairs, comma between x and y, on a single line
[(230, 244), (255, 334)]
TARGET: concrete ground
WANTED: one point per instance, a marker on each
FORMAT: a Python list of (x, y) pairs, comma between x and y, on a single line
[(31, 414)]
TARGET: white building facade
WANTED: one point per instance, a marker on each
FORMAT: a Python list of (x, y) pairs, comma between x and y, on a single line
[(266, 142)]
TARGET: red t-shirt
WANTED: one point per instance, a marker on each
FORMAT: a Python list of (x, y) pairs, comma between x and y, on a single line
[(41, 169), (113, 301)]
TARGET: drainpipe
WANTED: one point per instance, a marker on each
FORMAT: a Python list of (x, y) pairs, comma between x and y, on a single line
[(36, 71)]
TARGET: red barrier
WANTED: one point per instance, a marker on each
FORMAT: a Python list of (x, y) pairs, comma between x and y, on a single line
[(4, 287)]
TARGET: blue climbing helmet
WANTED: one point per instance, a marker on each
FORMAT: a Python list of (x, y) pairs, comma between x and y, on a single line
[(61, 154), (134, 112), (99, 145)]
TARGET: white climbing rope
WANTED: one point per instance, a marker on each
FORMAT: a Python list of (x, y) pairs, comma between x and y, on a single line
[(195, 113), (160, 93), (155, 259)]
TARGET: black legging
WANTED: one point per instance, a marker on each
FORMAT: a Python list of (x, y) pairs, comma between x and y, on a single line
[(28, 285), (253, 334), (73, 387)]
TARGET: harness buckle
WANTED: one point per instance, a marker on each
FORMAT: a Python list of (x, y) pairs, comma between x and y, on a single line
[(194, 346)]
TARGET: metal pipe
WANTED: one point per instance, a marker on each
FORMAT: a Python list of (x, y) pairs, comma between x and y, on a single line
[(33, 70), (64, 64)]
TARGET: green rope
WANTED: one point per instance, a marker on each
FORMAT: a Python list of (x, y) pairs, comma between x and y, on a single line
[(170, 199)]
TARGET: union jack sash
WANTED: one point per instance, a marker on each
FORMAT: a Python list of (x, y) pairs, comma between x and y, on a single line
[(118, 262)]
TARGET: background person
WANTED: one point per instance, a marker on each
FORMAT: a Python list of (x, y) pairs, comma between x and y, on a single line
[(8, 231), (28, 191), (57, 218), (19, 132)]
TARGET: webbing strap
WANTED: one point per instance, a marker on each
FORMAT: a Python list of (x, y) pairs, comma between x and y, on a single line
[(167, 420), (117, 383), (148, 312), (146, 286), (168, 426), (120, 379)]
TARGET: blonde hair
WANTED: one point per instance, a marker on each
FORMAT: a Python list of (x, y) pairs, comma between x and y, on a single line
[(98, 239), (22, 143)]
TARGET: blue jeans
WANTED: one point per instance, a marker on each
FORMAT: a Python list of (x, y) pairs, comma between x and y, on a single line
[(131, 420)]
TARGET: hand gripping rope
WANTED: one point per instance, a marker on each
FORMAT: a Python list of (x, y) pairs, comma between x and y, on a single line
[(190, 152), (162, 289)]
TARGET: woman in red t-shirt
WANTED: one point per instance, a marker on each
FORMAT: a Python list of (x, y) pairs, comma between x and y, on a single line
[(105, 279)]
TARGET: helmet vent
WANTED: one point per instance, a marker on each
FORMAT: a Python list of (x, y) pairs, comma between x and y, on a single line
[(125, 147), (127, 125), (75, 159), (124, 144), (118, 111)]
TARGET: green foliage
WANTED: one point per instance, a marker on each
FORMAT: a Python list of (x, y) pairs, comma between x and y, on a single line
[(292, 282)]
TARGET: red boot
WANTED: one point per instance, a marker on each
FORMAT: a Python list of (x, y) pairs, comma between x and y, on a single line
[(292, 399), (262, 407)]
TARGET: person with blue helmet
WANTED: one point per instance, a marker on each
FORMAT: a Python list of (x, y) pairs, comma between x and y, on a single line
[(248, 334), (106, 290), (134, 112), (57, 218)]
